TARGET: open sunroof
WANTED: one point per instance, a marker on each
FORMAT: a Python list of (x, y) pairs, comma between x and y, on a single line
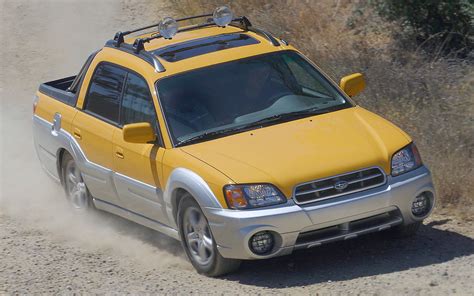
[(189, 49)]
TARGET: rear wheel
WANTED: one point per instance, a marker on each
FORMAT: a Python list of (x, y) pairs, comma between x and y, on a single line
[(198, 242), (74, 186)]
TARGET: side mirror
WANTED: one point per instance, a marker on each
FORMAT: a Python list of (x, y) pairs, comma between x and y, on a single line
[(138, 133), (352, 84)]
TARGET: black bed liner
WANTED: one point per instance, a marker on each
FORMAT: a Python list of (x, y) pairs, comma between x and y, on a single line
[(58, 89)]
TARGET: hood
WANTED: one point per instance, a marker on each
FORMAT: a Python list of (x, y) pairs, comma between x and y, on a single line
[(307, 149)]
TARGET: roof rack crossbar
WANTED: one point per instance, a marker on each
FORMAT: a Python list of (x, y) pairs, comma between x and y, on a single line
[(144, 55), (118, 38), (193, 17), (242, 23), (138, 47), (189, 28)]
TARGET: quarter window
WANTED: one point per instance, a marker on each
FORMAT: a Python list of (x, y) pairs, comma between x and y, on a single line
[(103, 98)]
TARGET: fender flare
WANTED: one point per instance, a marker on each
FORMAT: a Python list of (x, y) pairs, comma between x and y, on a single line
[(185, 179)]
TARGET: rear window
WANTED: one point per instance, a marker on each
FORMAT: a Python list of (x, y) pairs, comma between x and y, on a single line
[(103, 98), (201, 46)]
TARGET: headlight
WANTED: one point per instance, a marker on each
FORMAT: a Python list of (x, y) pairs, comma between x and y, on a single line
[(252, 196), (405, 160)]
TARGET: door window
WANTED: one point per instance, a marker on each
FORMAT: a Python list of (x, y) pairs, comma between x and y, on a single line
[(137, 103), (103, 98)]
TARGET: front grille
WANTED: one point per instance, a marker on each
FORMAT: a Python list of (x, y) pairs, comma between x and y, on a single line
[(338, 185)]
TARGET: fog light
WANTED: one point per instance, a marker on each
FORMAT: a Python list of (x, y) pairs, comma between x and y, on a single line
[(262, 242), (421, 205)]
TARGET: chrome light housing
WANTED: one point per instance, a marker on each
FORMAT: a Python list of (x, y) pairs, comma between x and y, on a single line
[(222, 16), (252, 196), (168, 27), (405, 160)]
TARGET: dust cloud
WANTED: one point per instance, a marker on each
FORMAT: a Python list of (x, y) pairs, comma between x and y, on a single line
[(46, 40)]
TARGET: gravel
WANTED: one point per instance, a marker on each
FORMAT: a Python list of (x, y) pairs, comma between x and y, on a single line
[(34, 259)]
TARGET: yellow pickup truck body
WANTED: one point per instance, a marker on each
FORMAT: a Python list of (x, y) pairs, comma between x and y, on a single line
[(145, 181)]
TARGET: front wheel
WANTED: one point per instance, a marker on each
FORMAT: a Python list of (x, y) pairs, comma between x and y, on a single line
[(74, 186), (198, 243)]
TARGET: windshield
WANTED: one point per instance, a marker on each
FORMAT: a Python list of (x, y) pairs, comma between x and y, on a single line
[(243, 94)]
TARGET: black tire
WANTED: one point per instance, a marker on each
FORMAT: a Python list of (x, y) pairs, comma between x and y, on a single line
[(68, 165), (409, 230), (217, 264)]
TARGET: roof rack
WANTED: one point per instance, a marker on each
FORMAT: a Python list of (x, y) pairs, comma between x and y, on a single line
[(138, 47), (144, 55)]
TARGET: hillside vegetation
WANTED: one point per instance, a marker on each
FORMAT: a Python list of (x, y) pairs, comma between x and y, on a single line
[(425, 91)]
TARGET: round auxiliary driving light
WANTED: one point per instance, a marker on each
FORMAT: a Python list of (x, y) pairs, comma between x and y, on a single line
[(262, 242), (421, 205), (168, 27), (222, 16)]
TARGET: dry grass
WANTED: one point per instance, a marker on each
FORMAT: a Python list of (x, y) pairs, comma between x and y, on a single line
[(431, 99)]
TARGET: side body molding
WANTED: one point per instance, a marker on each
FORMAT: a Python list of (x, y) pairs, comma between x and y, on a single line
[(102, 183), (181, 178)]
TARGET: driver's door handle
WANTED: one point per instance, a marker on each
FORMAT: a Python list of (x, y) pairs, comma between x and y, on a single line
[(77, 134)]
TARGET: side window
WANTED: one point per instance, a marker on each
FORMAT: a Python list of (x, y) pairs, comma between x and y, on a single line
[(104, 93), (137, 103)]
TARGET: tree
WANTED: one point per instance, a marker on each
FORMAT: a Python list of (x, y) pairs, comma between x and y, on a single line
[(440, 26)]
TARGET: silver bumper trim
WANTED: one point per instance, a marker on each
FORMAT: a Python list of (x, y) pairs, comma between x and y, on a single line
[(232, 229)]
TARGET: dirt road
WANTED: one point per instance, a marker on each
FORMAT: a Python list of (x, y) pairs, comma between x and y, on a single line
[(44, 248)]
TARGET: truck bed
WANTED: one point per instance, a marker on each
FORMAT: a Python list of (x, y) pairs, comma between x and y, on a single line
[(66, 89), (57, 89)]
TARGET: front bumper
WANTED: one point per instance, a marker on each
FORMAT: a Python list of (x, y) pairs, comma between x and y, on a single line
[(382, 207)]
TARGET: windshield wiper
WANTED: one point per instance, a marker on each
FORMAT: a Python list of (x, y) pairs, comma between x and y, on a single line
[(274, 118), (289, 116), (209, 135)]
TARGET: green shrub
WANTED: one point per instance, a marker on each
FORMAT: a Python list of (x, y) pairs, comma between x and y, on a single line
[(440, 26)]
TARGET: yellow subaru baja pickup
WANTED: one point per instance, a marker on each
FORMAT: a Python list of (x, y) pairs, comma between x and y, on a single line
[(230, 140)]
